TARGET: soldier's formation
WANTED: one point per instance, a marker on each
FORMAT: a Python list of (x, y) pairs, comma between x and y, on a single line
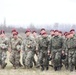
[(57, 47)]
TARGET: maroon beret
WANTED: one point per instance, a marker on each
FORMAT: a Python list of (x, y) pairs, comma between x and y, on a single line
[(2, 31), (13, 30), (56, 31), (33, 31), (42, 29), (28, 30), (72, 30), (16, 33)]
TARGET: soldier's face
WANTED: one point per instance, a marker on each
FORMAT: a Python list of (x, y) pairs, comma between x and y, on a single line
[(15, 36), (34, 34), (52, 32), (2, 35), (73, 32), (42, 31), (28, 33), (56, 33), (71, 35)]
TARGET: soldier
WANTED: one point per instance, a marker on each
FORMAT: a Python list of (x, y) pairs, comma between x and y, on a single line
[(39, 37), (56, 47), (3, 49), (64, 55), (71, 51), (43, 51), (14, 31), (28, 47), (35, 35), (15, 46)]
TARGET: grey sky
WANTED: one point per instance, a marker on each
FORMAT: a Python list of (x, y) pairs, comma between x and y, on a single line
[(37, 11)]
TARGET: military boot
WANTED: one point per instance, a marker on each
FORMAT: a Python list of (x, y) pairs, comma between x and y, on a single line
[(20, 65), (55, 68), (42, 68), (75, 67), (3, 65), (47, 68)]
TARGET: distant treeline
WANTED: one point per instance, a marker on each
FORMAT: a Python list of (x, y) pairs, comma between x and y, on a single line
[(32, 27)]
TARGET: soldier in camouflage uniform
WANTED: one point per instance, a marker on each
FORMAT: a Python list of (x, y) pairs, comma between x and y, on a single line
[(28, 47), (35, 35), (71, 51), (13, 31), (56, 46), (38, 38), (3, 49), (64, 55), (15, 46), (43, 51)]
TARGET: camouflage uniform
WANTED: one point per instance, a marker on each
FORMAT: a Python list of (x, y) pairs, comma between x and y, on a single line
[(28, 47), (64, 56), (43, 52), (56, 46), (71, 51), (20, 37), (15, 45), (3, 50)]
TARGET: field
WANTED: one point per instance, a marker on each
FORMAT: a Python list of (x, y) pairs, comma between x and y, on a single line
[(21, 71)]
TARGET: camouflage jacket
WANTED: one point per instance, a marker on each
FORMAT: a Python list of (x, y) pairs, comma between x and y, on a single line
[(15, 44), (43, 44), (71, 43), (4, 43), (56, 43), (28, 44)]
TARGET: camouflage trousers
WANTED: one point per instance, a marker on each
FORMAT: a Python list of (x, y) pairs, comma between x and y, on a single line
[(15, 58), (38, 63), (43, 59), (72, 59), (56, 58), (28, 59), (3, 56), (65, 62)]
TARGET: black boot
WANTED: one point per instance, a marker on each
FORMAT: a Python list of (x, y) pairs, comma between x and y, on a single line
[(55, 68), (75, 67), (3, 65), (20, 65), (47, 68), (42, 68)]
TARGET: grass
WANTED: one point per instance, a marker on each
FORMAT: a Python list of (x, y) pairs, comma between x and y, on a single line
[(21, 71)]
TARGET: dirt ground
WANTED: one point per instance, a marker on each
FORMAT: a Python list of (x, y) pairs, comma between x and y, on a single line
[(21, 71)]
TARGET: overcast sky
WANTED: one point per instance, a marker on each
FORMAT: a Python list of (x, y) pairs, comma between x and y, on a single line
[(37, 11)]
